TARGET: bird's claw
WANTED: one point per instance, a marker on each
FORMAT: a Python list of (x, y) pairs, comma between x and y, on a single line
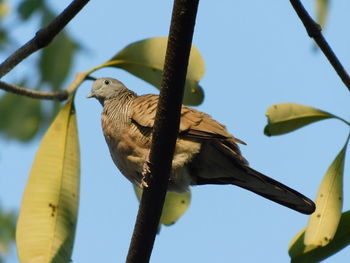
[(146, 173)]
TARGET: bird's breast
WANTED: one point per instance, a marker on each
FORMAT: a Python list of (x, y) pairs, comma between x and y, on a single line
[(129, 147), (127, 150)]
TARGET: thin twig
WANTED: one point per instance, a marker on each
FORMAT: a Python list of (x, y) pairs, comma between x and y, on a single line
[(314, 31), (44, 95), (43, 37), (165, 130), (60, 95)]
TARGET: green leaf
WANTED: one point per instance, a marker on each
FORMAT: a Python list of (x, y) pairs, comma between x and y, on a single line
[(56, 60), (286, 117), (20, 117), (4, 38), (175, 205), (28, 7), (300, 253), (48, 215), (7, 231), (322, 7), (145, 59), (323, 223)]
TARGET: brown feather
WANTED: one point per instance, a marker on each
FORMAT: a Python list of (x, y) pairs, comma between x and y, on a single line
[(205, 153), (219, 160)]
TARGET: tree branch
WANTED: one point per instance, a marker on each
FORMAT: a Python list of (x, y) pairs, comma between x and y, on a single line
[(165, 129), (43, 37), (60, 95), (314, 31)]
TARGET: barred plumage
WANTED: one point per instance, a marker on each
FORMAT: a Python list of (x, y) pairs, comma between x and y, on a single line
[(206, 153)]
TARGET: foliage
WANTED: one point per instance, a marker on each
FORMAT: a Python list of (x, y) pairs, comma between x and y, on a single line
[(323, 235), (27, 114), (175, 205), (47, 220), (53, 65), (302, 254), (7, 231), (48, 215), (287, 117), (145, 60), (322, 7), (49, 209)]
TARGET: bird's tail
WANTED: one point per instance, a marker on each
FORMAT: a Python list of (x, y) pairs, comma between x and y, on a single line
[(267, 187)]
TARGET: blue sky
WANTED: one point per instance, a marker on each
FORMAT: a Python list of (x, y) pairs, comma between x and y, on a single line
[(257, 53)]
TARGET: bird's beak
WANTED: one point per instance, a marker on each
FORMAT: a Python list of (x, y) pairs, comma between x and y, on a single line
[(90, 95)]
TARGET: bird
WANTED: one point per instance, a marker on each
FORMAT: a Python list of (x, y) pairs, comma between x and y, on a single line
[(205, 152)]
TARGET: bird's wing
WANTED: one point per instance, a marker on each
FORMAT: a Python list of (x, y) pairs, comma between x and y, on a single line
[(220, 160), (144, 110), (193, 123)]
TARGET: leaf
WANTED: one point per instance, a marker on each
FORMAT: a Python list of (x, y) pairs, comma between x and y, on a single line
[(48, 215), (323, 223), (175, 205), (27, 7), (4, 9), (4, 38), (322, 11), (286, 117), (145, 59), (20, 117), (7, 231), (56, 60), (300, 253)]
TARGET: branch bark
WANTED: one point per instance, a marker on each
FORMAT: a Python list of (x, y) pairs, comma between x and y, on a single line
[(60, 95), (43, 37), (165, 129), (314, 31)]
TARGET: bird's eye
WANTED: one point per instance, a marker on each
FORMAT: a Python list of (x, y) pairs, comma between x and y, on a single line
[(107, 82)]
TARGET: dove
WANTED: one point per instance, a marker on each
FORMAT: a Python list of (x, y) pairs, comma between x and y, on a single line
[(205, 152)]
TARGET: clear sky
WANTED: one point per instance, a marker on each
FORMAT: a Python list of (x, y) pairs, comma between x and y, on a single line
[(257, 53)]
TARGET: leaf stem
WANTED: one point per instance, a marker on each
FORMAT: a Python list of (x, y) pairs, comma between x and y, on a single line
[(45, 95), (314, 31), (347, 141), (341, 119)]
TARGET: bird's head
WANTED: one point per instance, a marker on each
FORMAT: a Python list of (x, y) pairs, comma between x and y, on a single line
[(106, 88)]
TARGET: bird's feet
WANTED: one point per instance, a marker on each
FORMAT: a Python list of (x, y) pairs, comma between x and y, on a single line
[(146, 173)]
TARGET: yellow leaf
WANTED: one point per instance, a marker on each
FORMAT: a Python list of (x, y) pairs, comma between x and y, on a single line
[(4, 9), (48, 215), (175, 205), (286, 117), (300, 253), (145, 59), (322, 11), (323, 223)]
